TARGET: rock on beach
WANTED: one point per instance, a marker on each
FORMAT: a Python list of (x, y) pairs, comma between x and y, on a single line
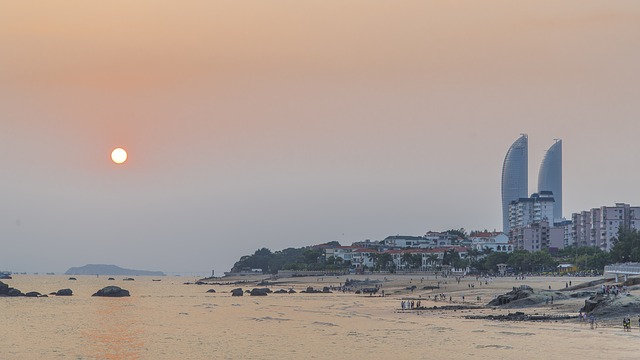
[(112, 291)]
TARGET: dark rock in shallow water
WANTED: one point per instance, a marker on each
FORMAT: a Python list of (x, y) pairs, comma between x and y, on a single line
[(259, 292), (112, 291), (72, 278), (32, 294), (64, 292), (14, 292), (311, 290), (237, 292), (110, 279), (4, 288), (211, 290), (128, 279)]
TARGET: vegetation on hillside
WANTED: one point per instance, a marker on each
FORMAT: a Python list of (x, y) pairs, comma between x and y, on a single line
[(589, 259)]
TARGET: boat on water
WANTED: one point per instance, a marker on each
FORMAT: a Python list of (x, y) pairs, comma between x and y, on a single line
[(5, 275)]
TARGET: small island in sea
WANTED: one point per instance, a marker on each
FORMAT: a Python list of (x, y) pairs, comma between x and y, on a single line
[(102, 269)]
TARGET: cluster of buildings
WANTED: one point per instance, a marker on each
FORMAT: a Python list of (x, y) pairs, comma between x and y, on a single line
[(430, 248), (535, 222), (530, 222)]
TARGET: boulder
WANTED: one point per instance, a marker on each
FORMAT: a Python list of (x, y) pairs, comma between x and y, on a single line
[(311, 290), (4, 288), (14, 292), (259, 292), (110, 279), (237, 292), (291, 291), (326, 290), (112, 291), (281, 291), (128, 279), (64, 292), (211, 290), (32, 294), (72, 278)]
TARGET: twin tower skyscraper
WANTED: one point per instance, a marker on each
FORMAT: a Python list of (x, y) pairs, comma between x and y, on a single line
[(515, 176)]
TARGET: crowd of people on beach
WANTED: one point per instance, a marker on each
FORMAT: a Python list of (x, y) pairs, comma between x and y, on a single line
[(614, 290), (410, 304)]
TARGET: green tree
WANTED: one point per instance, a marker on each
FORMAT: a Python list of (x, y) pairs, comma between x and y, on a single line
[(626, 248)]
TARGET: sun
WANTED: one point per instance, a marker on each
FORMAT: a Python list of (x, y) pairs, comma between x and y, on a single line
[(119, 155)]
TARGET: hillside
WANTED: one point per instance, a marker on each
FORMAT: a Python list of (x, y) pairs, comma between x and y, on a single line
[(101, 269)]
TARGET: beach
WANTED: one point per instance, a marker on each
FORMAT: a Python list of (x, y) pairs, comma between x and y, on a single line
[(167, 320)]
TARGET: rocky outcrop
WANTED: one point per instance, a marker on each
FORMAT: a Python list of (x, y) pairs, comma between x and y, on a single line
[(237, 292), (64, 292), (259, 292), (519, 293), (211, 291), (33, 294), (593, 302), (14, 292), (112, 291), (310, 290)]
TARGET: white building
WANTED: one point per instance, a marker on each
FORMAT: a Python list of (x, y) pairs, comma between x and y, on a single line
[(495, 241), (536, 208)]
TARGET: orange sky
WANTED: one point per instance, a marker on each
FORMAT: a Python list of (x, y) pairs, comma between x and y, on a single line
[(289, 123)]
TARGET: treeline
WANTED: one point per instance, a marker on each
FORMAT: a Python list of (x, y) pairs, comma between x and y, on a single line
[(626, 249), (288, 259)]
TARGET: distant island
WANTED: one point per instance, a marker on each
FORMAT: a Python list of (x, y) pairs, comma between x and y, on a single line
[(101, 269)]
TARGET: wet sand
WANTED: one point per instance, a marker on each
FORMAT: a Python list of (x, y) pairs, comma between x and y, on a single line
[(169, 320)]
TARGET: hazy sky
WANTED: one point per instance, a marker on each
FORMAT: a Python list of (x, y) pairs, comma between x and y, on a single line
[(288, 123)]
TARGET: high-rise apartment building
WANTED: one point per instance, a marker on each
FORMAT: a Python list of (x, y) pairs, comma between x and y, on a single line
[(600, 226), (515, 176), (550, 176), (537, 236), (536, 208)]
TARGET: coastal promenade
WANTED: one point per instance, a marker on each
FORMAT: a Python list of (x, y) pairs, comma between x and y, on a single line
[(622, 269)]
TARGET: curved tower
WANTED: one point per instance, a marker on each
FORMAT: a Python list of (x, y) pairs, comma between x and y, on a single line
[(550, 176), (515, 175)]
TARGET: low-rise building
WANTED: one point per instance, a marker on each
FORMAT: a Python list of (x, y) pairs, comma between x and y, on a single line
[(494, 241)]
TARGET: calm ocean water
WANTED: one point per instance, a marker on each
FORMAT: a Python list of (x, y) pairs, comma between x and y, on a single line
[(169, 320)]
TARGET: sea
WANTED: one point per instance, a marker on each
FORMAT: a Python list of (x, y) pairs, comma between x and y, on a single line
[(169, 319)]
